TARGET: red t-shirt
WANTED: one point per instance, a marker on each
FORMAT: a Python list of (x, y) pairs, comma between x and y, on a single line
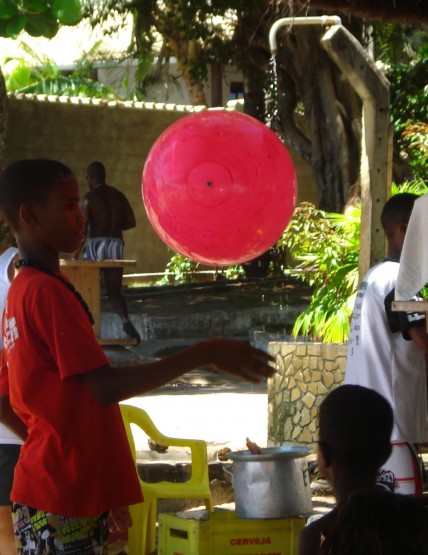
[(76, 460)]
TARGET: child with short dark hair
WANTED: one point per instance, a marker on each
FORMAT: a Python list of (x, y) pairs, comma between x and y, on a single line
[(355, 425), (379, 522), (76, 467)]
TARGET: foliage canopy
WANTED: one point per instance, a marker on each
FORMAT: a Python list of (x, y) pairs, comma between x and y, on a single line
[(37, 17)]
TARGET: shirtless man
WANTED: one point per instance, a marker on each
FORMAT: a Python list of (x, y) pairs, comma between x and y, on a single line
[(108, 214)]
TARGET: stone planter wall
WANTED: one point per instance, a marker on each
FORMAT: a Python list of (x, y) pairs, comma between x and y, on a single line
[(306, 373)]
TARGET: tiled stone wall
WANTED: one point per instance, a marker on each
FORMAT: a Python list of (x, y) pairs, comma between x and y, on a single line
[(306, 373)]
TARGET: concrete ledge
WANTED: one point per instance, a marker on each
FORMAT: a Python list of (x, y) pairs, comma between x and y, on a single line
[(227, 323)]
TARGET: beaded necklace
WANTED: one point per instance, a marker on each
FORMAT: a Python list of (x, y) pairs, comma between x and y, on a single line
[(26, 263)]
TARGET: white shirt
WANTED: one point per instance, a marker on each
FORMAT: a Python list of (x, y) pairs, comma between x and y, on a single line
[(413, 272), (6, 436), (381, 359)]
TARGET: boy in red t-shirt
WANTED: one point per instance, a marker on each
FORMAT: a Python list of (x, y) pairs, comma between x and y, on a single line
[(75, 469)]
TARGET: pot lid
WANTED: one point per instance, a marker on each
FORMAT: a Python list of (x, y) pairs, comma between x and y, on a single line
[(282, 452)]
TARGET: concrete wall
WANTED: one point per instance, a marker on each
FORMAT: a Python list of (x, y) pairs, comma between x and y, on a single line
[(307, 372), (119, 134)]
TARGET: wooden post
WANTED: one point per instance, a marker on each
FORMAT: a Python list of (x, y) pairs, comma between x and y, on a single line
[(376, 159), (85, 276), (216, 85)]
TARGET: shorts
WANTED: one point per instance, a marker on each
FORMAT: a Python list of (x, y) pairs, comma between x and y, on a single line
[(103, 248), (40, 533), (9, 453), (402, 472)]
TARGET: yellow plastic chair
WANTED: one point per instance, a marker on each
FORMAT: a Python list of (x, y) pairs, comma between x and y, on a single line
[(142, 534)]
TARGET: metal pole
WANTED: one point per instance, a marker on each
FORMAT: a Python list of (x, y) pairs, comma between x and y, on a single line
[(316, 20)]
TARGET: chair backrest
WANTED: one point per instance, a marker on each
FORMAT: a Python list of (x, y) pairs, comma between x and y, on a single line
[(126, 411), (142, 535), (139, 417)]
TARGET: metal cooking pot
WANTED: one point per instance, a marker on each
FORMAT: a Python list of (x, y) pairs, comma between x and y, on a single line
[(273, 484)]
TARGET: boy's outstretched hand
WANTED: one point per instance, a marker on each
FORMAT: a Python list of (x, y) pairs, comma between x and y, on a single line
[(240, 359), (113, 384)]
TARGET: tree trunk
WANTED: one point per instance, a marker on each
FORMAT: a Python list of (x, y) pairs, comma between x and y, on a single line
[(3, 120), (187, 52), (5, 234), (330, 138), (252, 58), (318, 114), (194, 87), (254, 63)]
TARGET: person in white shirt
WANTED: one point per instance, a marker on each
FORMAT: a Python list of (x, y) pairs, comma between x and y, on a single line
[(413, 273), (387, 351), (10, 443)]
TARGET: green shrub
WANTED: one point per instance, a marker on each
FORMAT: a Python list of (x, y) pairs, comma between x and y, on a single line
[(325, 247)]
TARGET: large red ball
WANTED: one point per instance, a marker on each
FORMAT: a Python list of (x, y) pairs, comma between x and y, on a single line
[(219, 187)]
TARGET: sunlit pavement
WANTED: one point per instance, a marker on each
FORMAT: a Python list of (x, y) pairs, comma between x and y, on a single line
[(221, 419), (218, 408)]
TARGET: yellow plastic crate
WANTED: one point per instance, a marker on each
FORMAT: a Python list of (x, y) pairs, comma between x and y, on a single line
[(226, 534)]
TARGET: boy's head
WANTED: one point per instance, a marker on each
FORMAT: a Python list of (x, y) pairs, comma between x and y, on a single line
[(28, 181), (396, 213), (355, 426), (95, 174)]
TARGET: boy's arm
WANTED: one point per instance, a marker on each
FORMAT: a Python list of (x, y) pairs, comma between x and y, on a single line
[(128, 217), (7, 415), (113, 384), (412, 325), (419, 337), (10, 419), (312, 535), (84, 208)]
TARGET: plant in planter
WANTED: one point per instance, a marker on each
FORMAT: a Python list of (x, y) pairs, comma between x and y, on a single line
[(325, 247), (179, 269)]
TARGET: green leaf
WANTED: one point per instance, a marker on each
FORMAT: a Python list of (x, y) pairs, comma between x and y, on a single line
[(67, 12), (8, 9), (15, 26), (17, 75), (42, 25), (38, 6)]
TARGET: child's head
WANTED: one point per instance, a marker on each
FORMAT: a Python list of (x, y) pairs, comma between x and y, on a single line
[(396, 213), (39, 199), (28, 181), (95, 173), (355, 426)]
